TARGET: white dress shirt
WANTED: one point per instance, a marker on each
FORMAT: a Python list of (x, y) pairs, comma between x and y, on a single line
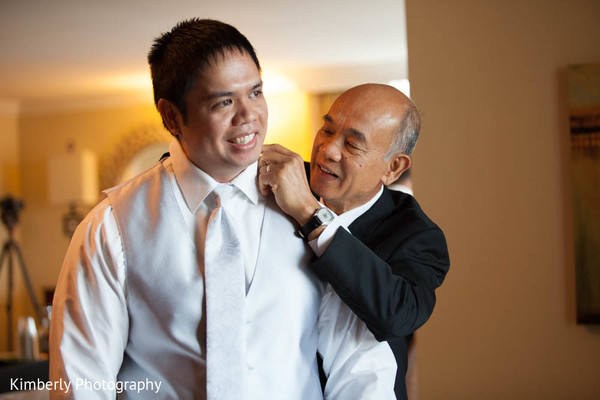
[(96, 309), (246, 205)]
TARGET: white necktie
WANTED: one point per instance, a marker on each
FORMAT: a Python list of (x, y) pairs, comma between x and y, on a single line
[(225, 304)]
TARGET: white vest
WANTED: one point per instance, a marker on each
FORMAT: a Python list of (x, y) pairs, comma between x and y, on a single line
[(282, 301)]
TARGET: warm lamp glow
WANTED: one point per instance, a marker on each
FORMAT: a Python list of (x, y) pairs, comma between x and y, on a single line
[(289, 113), (274, 82), (136, 81), (290, 121)]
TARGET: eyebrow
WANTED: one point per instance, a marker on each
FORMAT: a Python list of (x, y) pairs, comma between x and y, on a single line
[(353, 131), (217, 95)]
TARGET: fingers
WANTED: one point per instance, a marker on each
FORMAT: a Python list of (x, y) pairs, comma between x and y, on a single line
[(288, 183), (275, 154), (280, 171), (267, 179), (266, 170), (269, 170), (271, 175), (266, 176)]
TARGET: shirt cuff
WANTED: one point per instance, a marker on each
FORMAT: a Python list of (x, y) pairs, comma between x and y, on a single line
[(319, 244)]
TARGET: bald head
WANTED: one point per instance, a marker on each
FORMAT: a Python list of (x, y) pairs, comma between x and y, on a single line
[(384, 102)]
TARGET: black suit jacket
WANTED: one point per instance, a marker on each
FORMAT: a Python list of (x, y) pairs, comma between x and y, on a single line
[(387, 271)]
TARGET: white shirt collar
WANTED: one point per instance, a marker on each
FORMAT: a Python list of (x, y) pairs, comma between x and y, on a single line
[(401, 188), (196, 184), (349, 216)]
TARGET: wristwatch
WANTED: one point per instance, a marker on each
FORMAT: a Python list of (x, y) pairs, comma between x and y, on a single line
[(323, 216)]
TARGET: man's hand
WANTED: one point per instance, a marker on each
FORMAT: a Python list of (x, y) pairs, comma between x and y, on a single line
[(281, 171)]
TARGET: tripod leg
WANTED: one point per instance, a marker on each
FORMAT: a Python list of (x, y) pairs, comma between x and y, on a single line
[(32, 296), (9, 273), (5, 250)]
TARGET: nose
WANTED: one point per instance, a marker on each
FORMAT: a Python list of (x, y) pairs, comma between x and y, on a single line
[(330, 148), (244, 113)]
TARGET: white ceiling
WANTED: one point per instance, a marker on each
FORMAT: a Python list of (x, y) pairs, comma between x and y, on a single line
[(58, 50)]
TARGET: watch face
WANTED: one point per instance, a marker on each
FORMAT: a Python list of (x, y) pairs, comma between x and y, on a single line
[(324, 215)]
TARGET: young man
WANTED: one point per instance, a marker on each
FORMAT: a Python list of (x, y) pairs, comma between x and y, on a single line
[(144, 299), (377, 248)]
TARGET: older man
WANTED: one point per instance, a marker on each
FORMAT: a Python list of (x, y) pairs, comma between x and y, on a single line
[(379, 251)]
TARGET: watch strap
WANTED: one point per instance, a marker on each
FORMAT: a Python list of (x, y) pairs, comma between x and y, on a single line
[(313, 223), (323, 216)]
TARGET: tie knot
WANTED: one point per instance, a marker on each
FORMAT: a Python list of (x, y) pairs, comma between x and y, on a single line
[(223, 192)]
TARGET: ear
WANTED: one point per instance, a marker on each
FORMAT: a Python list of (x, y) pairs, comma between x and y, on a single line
[(171, 116), (397, 164)]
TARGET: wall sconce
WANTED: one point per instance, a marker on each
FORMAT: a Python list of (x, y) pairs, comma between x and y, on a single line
[(73, 181)]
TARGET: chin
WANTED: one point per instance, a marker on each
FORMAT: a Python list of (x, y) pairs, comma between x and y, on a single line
[(253, 155), (246, 161)]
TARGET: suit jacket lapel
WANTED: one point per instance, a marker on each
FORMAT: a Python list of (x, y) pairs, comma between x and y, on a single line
[(367, 223)]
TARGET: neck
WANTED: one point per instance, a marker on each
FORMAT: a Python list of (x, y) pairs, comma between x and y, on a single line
[(341, 207)]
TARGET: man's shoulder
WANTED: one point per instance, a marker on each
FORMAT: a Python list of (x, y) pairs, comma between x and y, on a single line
[(393, 220), (135, 183), (397, 209), (132, 198), (403, 203)]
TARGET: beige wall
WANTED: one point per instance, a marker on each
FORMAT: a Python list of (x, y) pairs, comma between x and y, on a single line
[(492, 168), (9, 142)]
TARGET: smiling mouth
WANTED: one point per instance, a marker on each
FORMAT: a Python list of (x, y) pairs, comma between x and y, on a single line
[(326, 171), (243, 140)]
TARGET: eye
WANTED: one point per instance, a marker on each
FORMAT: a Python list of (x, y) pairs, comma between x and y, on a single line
[(223, 103), (353, 146), (256, 93), (325, 131)]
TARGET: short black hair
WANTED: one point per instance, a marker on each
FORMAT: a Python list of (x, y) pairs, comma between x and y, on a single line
[(179, 56)]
